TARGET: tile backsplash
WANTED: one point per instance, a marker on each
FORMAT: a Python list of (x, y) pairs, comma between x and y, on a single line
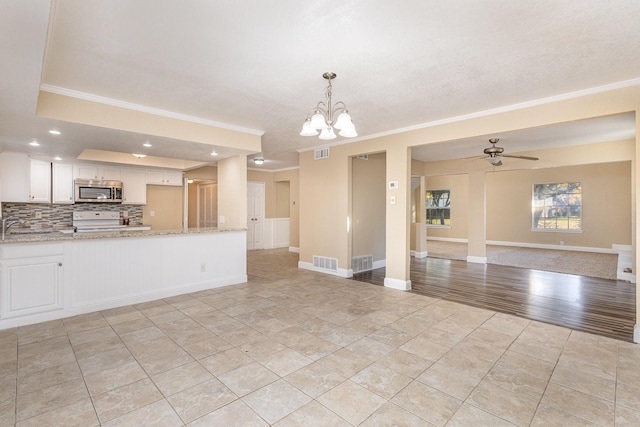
[(62, 215)]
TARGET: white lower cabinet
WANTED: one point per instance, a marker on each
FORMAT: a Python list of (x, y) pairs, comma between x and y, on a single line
[(31, 286)]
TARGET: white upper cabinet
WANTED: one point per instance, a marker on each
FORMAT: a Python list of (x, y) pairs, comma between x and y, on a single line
[(40, 182), (24, 180), (104, 173), (134, 187), (160, 177), (62, 183)]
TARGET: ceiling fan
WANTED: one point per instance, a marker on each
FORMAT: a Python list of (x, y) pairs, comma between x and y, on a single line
[(494, 154)]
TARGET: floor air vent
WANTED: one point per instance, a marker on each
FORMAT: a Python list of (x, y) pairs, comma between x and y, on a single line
[(325, 263), (321, 153), (362, 263)]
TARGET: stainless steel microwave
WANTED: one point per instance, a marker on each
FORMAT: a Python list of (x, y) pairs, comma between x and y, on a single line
[(91, 190)]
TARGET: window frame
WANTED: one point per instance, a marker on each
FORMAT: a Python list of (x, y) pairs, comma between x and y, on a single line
[(427, 208), (568, 205)]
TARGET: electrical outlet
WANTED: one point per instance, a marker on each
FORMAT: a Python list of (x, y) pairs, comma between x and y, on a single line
[(125, 214), (152, 213), (393, 200), (221, 219), (38, 214), (203, 267)]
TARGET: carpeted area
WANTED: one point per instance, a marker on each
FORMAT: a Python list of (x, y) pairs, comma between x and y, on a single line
[(590, 264)]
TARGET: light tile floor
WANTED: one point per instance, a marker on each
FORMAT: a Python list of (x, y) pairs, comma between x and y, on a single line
[(297, 348)]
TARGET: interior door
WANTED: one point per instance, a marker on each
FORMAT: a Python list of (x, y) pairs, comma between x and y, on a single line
[(255, 214), (208, 205)]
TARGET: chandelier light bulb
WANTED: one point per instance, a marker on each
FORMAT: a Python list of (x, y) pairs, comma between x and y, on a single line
[(344, 121), (327, 133), (318, 121), (307, 129), (349, 132)]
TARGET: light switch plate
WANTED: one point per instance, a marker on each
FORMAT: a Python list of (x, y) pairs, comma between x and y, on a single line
[(393, 185)]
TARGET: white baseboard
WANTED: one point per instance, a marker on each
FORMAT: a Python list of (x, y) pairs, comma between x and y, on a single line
[(341, 272), (402, 285), (418, 254), (448, 239), (554, 247), (621, 248), (294, 249), (477, 259), (379, 264), (615, 248)]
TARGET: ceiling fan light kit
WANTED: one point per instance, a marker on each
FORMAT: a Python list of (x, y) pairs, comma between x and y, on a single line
[(321, 118), (494, 154)]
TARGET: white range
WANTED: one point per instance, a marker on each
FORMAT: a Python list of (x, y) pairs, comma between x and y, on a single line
[(101, 221)]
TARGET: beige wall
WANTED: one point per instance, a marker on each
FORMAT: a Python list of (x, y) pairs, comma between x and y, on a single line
[(232, 192), (283, 193), (166, 204), (606, 210), (292, 177), (324, 207), (459, 186), (508, 202), (368, 206), (325, 183), (205, 172)]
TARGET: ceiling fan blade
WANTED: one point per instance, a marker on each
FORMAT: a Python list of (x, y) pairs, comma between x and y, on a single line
[(520, 157)]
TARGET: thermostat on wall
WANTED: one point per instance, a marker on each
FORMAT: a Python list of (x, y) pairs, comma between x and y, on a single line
[(393, 185)]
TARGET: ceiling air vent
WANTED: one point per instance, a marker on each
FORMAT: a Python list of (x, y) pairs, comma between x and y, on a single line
[(321, 153)]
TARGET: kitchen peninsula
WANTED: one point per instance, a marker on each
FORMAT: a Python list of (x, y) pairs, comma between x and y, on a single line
[(54, 275)]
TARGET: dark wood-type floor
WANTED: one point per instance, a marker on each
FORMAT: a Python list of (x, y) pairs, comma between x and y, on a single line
[(604, 307)]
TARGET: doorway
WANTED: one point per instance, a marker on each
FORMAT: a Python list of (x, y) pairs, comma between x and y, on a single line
[(207, 204), (255, 215), (201, 203)]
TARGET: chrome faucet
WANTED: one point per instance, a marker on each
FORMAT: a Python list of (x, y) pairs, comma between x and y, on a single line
[(8, 223)]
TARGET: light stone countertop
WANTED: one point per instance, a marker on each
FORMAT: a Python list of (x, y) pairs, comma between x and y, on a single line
[(58, 236)]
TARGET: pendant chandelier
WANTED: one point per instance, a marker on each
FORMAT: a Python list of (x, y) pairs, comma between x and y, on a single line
[(321, 118)]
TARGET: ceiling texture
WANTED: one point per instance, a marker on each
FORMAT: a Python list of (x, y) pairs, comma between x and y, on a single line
[(257, 66)]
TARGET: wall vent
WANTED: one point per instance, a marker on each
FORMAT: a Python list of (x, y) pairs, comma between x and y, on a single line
[(362, 263), (363, 157), (321, 153), (325, 263)]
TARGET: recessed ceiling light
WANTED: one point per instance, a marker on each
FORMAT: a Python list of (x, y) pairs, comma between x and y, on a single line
[(139, 155), (54, 132), (57, 158), (213, 153), (34, 144), (258, 161), (147, 144)]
